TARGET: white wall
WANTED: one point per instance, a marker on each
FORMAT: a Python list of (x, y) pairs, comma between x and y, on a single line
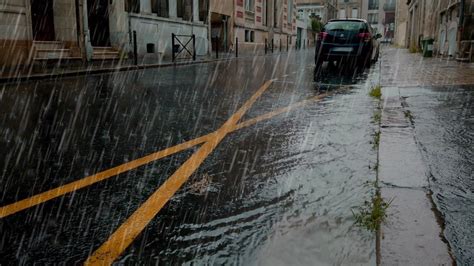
[(156, 30)]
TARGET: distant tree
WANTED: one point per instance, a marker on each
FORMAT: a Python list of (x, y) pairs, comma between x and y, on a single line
[(316, 25)]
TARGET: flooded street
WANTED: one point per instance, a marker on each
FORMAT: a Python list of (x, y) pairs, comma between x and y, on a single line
[(444, 126), (278, 190), (222, 132)]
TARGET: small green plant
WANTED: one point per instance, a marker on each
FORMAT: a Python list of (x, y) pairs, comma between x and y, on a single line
[(316, 25), (377, 116), (409, 116), (413, 49), (373, 213), (376, 141), (376, 92)]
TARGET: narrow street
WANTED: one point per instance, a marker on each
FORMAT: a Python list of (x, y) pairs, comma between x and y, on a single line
[(275, 184)]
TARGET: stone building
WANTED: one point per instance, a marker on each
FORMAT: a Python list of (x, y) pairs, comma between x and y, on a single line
[(38, 30), (308, 10), (449, 22), (380, 14), (349, 9), (84, 30), (257, 21), (154, 22), (324, 9), (401, 21), (222, 24)]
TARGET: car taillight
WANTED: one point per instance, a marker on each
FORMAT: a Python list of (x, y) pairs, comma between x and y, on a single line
[(322, 36), (365, 36)]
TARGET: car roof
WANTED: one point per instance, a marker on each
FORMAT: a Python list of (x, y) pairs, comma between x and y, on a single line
[(349, 19)]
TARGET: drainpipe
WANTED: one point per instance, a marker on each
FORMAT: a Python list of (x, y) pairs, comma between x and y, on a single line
[(461, 23), (80, 42), (87, 43)]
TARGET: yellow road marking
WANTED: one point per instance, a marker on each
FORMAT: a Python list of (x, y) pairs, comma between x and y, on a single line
[(269, 115), (134, 225), (87, 181), (101, 176)]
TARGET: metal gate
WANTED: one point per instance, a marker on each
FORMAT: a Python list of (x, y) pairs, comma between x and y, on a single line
[(183, 43)]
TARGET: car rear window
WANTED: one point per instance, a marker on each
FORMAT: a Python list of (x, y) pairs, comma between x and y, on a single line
[(346, 26)]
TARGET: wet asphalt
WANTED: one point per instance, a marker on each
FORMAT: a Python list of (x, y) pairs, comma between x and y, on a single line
[(279, 192)]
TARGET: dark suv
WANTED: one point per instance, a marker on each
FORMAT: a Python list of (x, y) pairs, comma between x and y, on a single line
[(347, 39)]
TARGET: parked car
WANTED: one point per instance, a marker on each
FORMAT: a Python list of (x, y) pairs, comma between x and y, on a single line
[(351, 39)]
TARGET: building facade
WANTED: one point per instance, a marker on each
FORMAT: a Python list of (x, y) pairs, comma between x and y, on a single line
[(30, 29), (322, 9), (87, 30), (349, 9), (308, 10), (401, 21), (448, 22), (257, 22), (36, 30)]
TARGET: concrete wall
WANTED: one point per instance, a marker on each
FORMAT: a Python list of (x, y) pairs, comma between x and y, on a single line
[(152, 29), (156, 30), (401, 24)]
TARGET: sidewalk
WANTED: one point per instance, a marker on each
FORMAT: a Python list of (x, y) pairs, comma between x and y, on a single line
[(414, 232), (54, 70), (37, 72)]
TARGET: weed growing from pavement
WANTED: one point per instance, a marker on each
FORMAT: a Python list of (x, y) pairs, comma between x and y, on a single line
[(373, 213), (376, 92), (409, 116), (377, 118), (413, 49), (376, 141)]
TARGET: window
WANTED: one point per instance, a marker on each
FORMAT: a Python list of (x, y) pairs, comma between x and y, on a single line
[(203, 10), (160, 7), (249, 5), (249, 36), (132, 6), (373, 18), (342, 13), (355, 13), (373, 4), (185, 9)]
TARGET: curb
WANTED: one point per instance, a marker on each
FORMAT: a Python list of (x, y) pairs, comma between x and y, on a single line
[(83, 72)]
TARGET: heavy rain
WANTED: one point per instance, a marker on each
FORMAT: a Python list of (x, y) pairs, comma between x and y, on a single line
[(220, 132)]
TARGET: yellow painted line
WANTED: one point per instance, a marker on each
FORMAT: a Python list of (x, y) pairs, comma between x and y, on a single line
[(269, 115), (90, 180), (134, 225), (101, 176)]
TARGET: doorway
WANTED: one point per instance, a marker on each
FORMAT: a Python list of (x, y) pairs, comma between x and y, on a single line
[(42, 20), (98, 19)]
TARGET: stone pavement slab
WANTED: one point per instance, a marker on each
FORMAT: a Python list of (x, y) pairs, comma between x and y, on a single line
[(411, 235)]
